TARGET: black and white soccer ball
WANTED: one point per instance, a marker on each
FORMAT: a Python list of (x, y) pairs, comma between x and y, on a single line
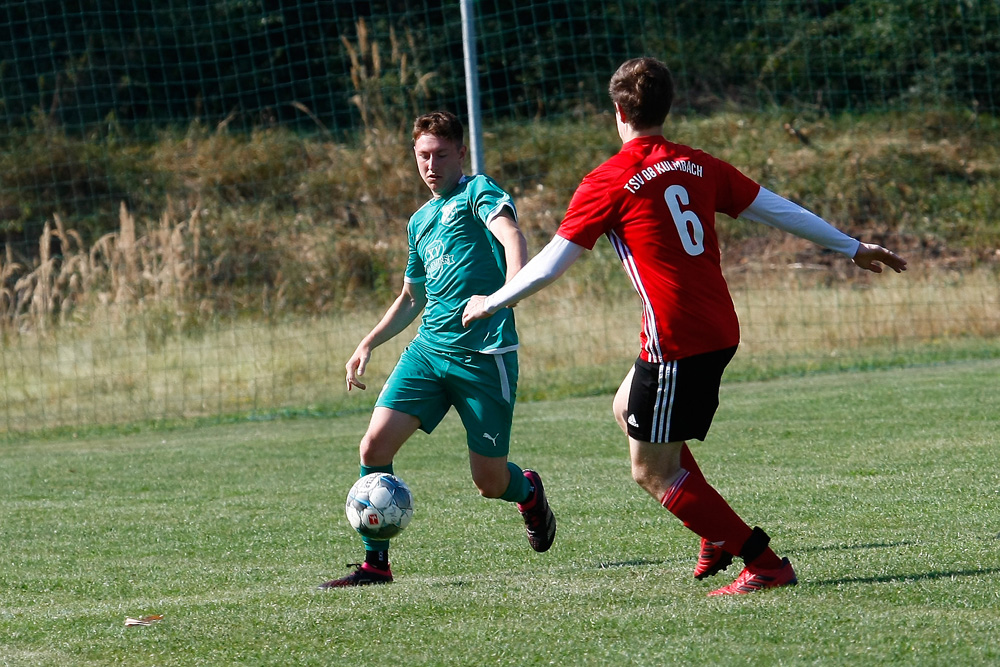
[(379, 505)]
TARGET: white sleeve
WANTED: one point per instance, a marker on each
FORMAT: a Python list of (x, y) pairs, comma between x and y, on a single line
[(543, 269), (495, 213), (778, 212)]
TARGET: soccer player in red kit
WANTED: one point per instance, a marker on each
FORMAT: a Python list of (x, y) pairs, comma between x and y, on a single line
[(656, 202)]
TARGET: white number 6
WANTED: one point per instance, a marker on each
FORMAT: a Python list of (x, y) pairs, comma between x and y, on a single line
[(688, 225)]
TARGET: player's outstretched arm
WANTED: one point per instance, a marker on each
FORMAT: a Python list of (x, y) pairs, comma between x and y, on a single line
[(870, 257), (778, 212), (404, 309), (543, 269)]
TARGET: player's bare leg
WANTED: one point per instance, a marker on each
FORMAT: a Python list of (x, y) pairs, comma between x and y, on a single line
[(490, 474), (669, 473), (387, 431), (493, 478), (657, 468)]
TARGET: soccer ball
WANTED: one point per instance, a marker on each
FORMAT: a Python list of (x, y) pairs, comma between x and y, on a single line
[(379, 505)]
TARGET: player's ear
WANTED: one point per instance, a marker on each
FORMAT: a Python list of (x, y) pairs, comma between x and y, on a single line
[(620, 113)]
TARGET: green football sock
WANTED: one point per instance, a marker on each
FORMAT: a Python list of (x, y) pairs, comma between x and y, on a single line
[(367, 470), (371, 544), (519, 488)]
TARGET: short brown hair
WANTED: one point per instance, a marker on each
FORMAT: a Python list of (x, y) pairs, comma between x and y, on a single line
[(442, 124), (644, 90)]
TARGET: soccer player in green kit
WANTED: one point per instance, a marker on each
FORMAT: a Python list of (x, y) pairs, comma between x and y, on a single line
[(463, 241)]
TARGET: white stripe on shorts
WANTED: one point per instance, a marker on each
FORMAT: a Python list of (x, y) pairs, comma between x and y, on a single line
[(666, 382), (504, 380)]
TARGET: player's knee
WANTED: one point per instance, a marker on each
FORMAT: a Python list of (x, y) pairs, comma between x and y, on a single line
[(650, 478), (373, 453), (641, 475)]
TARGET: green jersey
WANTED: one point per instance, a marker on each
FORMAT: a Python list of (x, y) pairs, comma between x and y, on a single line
[(456, 256)]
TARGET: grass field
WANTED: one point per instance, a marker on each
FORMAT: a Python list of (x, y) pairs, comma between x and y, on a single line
[(882, 487)]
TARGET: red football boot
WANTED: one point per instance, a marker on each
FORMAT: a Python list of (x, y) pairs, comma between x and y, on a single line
[(753, 579)]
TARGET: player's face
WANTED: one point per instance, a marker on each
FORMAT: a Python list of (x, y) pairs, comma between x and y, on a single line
[(439, 162)]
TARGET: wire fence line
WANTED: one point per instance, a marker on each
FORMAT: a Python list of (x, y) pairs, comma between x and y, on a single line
[(202, 206)]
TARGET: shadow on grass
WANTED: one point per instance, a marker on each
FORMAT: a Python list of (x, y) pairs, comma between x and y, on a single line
[(882, 579), (639, 562), (899, 578), (852, 547), (889, 578), (628, 563)]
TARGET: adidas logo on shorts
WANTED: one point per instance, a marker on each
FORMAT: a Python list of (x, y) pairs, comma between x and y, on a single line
[(632, 421)]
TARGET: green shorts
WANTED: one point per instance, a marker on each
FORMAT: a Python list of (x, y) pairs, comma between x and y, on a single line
[(425, 383)]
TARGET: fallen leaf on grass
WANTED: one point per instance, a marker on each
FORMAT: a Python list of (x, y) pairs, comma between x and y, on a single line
[(145, 620)]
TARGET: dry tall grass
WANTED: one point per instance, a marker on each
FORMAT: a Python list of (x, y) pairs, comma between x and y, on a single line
[(177, 275), (274, 254), (100, 372), (791, 320), (122, 273)]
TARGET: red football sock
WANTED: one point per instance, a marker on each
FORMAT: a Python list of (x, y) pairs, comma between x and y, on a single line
[(704, 511), (688, 462)]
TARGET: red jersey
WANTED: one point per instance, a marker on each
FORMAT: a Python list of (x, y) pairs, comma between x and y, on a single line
[(656, 201)]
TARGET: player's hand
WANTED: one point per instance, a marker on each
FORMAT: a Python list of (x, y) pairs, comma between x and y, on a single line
[(356, 368), (870, 257), (474, 310)]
